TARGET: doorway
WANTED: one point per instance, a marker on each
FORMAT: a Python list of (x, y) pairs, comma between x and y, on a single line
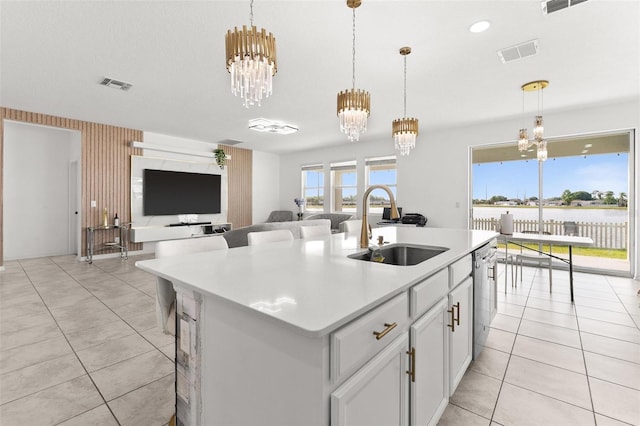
[(41, 191), (584, 187)]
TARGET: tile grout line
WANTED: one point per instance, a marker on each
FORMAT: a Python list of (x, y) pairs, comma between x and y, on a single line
[(495, 406), (68, 342)]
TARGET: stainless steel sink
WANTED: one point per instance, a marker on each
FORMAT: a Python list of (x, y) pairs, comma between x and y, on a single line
[(399, 254)]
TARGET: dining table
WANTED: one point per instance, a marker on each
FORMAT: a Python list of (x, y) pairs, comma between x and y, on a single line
[(521, 238)]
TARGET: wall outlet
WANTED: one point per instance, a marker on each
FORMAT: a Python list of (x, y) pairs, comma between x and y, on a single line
[(457, 204), (94, 204)]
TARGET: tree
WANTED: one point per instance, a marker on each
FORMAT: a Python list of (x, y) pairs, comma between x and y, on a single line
[(622, 199), (497, 198), (596, 194), (582, 195), (609, 198), (567, 197)]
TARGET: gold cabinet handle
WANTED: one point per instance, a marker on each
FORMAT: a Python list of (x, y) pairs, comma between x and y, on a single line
[(453, 319), (388, 327), (457, 306), (412, 371)]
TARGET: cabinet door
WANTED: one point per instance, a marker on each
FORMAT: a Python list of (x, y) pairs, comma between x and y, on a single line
[(430, 389), (461, 333), (377, 393)]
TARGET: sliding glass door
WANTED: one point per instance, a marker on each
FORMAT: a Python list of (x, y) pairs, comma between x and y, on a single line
[(585, 190)]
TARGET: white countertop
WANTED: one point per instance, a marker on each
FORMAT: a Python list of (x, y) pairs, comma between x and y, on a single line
[(312, 285)]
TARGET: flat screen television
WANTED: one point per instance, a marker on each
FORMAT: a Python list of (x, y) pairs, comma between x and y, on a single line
[(166, 192)]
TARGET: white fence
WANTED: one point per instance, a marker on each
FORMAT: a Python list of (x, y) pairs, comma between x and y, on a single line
[(604, 235)]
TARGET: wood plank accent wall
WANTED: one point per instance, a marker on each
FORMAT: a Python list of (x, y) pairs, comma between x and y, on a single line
[(106, 168), (239, 176)]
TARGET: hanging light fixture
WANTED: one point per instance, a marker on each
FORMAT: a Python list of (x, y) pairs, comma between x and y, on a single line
[(251, 61), (353, 104), (538, 124), (405, 130)]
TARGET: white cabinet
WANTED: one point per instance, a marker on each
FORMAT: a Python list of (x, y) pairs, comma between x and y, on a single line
[(460, 324), (377, 393), (430, 386)]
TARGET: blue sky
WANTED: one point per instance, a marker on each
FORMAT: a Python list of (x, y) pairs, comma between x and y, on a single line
[(519, 179)]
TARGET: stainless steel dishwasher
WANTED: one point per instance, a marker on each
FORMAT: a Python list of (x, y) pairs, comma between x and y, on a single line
[(484, 293)]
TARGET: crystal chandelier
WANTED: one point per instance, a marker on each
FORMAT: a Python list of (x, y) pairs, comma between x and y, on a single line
[(405, 130), (251, 61), (353, 104), (538, 125)]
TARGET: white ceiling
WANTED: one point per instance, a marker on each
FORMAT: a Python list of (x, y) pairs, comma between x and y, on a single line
[(54, 53)]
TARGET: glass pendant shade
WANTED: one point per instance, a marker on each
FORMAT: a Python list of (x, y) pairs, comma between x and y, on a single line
[(538, 128), (251, 61), (542, 150), (405, 132), (523, 140), (353, 111)]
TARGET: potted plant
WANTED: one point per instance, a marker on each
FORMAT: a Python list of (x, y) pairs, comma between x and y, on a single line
[(300, 203), (221, 157)]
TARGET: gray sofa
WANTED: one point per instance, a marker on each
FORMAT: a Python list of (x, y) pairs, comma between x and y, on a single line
[(335, 218), (238, 237)]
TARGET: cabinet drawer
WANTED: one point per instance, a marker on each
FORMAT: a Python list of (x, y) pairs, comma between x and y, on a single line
[(428, 292), (356, 343), (460, 270)]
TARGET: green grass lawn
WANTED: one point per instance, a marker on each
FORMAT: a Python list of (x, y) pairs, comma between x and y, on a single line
[(580, 251)]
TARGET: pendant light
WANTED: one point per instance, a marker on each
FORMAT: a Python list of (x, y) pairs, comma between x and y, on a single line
[(353, 104), (251, 61), (538, 124), (405, 130)]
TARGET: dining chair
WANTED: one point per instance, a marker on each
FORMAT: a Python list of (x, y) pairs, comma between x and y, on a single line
[(351, 226), (315, 232), (263, 237), (165, 295)]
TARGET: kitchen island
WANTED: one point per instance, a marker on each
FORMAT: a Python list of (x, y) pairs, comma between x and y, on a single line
[(298, 333)]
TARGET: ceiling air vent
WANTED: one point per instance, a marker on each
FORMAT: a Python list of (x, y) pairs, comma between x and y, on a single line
[(518, 51), (116, 84), (550, 6)]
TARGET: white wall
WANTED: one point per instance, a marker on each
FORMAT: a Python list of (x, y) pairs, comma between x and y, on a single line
[(37, 208), (434, 179), (266, 186)]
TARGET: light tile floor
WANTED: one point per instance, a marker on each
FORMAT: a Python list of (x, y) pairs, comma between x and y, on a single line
[(79, 346), (551, 362)]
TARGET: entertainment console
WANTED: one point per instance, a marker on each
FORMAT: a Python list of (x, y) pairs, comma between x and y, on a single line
[(143, 234)]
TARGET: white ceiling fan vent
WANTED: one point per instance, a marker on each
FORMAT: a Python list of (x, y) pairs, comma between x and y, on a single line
[(519, 51), (228, 142), (116, 84), (550, 6)]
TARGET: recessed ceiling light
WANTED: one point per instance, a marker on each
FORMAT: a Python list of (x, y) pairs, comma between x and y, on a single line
[(584, 151), (480, 26), (270, 126), (589, 145)]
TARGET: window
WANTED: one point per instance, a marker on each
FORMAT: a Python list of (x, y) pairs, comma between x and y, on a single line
[(583, 186), (381, 171), (313, 187), (343, 186)]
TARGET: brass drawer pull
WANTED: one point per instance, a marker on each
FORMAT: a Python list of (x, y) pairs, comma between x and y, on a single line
[(412, 356), (457, 305), (453, 319), (380, 334)]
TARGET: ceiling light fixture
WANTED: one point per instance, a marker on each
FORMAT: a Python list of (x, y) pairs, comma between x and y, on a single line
[(354, 104), (405, 130), (116, 84), (271, 126), (538, 130), (251, 61), (480, 26)]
